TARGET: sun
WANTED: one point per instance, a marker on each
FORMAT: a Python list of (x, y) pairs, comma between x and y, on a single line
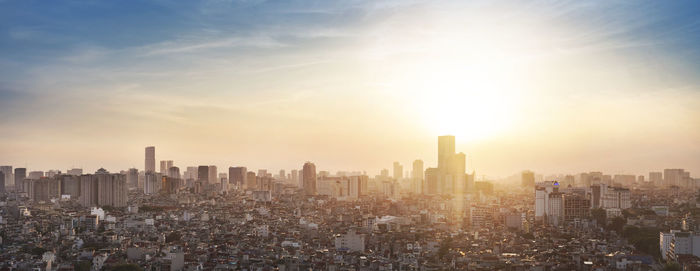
[(472, 102), (465, 76)]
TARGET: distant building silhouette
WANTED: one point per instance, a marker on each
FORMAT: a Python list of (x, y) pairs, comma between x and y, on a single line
[(132, 178), (151, 183), (212, 177), (527, 178), (251, 181), (75, 171), (417, 176), (103, 189), (309, 179), (150, 159), (237, 177), (174, 172), (203, 174), (398, 171), (164, 166), (20, 175), (7, 171)]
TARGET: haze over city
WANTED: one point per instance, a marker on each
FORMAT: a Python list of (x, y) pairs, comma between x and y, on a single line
[(553, 87), (349, 135)]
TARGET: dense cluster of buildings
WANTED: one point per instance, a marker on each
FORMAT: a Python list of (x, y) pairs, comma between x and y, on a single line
[(435, 218)]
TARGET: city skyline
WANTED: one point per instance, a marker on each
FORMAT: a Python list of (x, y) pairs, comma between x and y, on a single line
[(560, 88), (445, 150), (349, 135)]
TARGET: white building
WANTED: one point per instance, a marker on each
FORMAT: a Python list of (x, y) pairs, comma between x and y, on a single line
[(351, 241), (542, 191), (677, 242)]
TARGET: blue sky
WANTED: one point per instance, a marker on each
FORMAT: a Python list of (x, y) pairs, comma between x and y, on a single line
[(80, 75)]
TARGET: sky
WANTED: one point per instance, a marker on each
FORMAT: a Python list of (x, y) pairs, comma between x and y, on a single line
[(550, 86)]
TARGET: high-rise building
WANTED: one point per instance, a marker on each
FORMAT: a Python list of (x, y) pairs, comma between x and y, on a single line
[(44, 189), (35, 175), (576, 207), (174, 172), (2, 182), (213, 174), (674, 177), (169, 185), (417, 176), (300, 181), (446, 148), (527, 178), (70, 185), (103, 189), (132, 178), (7, 171), (203, 174), (295, 176), (150, 159), (430, 186), (52, 172), (398, 171), (656, 178), (251, 181), (384, 173), (309, 179), (190, 173), (282, 175), (20, 175), (237, 177), (457, 164), (417, 172), (542, 192), (152, 183), (452, 178), (75, 171), (163, 167)]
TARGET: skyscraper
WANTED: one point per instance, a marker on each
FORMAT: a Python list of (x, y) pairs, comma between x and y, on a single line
[(2, 182), (446, 148), (151, 183), (203, 174), (384, 173), (309, 179), (417, 172), (251, 181), (103, 189), (190, 173), (70, 185), (132, 178), (417, 176), (174, 172), (295, 176), (674, 177), (7, 170), (527, 179), (163, 167), (20, 175), (150, 159), (457, 164), (656, 178), (452, 177), (112, 189), (237, 177), (213, 174), (398, 171)]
